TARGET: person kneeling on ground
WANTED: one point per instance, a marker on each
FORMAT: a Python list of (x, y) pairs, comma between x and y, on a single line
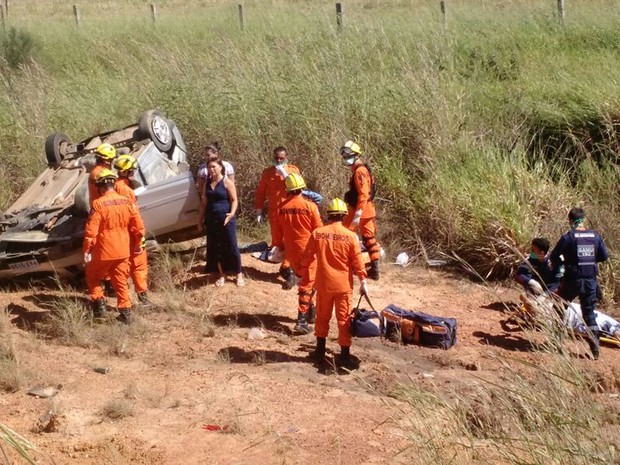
[(337, 253), (537, 274)]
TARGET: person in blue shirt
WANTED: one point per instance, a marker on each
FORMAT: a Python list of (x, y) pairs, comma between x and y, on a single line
[(537, 275), (582, 250)]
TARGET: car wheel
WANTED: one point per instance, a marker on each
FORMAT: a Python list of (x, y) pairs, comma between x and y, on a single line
[(56, 148), (155, 126)]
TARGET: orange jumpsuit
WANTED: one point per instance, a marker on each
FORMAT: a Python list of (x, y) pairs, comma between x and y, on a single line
[(361, 180), (271, 188), (113, 223), (297, 218), (93, 191), (138, 264), (338, 256)]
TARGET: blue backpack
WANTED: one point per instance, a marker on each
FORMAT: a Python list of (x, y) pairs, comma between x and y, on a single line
[(366, 323)]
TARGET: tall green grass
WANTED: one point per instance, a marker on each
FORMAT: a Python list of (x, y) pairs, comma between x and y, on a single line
[(487, 129)]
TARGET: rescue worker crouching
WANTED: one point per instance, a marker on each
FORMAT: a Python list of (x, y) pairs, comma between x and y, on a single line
[(271, 189), (361, 208), (138, 262), (582, 250), (537, 274), (337, 253), (297, 217), (114, 223)]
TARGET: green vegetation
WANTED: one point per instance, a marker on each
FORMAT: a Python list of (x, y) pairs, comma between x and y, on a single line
[(483, 133)]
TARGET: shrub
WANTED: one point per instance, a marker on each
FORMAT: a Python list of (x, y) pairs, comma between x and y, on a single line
[(17, 47)]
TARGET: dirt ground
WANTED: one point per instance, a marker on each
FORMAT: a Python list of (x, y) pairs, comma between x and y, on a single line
[(198, 390)]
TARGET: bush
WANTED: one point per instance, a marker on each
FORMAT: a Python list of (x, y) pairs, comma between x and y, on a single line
[(17, 47)]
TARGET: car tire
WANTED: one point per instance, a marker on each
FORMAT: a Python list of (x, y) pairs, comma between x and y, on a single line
[(154, 125), (56, 148)]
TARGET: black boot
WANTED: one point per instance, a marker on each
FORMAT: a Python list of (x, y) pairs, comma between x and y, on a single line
[(345, 360), (108, 289), (144, 300), (311, 313), (98, 307), (291, 279), (593, 342), (319, 353), (302, 324), (373, 270), (124, 316)]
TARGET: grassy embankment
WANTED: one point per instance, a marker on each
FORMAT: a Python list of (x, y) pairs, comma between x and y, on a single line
[(487, 131), (482, 135)]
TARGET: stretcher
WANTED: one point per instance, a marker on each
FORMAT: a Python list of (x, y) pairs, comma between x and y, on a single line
[(610, 340), (540, 308)]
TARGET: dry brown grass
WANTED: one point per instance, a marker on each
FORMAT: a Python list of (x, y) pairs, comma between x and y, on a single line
[(539, 413), (11, 375), (67, 321), (117, 409)]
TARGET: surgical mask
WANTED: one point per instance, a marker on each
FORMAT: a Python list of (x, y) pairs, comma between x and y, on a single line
[(349, 161), (280, 162), (533, 256)]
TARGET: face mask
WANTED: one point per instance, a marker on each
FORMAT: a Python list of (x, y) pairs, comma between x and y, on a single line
[(533, 256), (279, 162), (349, 161)]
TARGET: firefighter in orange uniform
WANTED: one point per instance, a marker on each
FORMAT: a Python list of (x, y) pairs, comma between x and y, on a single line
[(297, 218), (271, 189), (138, 263), (114, 223), (337, 252), (105, 155), (361, 207)]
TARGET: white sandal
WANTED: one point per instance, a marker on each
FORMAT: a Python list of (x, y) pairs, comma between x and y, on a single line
[(220, 281)]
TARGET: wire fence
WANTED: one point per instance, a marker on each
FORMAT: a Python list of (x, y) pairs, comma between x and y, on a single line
[(9, 10)]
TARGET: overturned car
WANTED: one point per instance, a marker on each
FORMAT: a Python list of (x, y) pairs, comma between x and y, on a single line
[(43, 230)]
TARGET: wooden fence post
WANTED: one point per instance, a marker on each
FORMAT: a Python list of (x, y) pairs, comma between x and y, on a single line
[(241, 16), (340, 16), (76, 13), (442, 7), (561, 11), (153, 12)]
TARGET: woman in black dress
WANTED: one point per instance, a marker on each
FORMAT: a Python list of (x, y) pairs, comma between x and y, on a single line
[(217, 218)]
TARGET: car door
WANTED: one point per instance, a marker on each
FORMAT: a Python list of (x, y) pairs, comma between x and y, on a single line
[(170, 208)]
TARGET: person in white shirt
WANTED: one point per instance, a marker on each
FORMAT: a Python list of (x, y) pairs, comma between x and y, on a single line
[(211, 153)]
